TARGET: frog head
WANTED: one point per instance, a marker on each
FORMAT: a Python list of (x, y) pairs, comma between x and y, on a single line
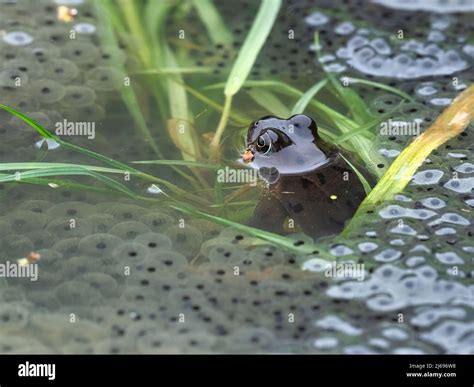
[(290, 146)]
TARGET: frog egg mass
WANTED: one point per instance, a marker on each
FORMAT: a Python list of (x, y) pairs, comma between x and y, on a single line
[(140, 240)]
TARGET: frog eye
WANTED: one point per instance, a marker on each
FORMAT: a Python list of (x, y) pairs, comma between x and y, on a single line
[(264, 143)]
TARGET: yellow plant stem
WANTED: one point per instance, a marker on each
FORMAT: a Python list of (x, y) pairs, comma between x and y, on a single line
[(215, 143), (449, 124)]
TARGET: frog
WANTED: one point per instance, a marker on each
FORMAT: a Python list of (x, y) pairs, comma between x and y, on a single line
[(309, 184)]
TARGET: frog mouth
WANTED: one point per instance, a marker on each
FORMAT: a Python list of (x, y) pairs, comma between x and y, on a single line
[(248, 156)]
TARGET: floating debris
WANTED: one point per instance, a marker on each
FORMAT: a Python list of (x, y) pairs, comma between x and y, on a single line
[(32, 257)]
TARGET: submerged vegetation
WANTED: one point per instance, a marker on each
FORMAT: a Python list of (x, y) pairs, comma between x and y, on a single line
[(164, 96)]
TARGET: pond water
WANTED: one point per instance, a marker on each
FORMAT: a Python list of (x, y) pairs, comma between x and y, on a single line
[(136, 275)]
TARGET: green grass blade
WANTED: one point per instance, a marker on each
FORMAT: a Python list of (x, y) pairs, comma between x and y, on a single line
[(305, 99), (449, 124), (338, 119), (109, 9), (155, 16), (362, 179), (213, 22), (381, 86), (165, 93), (127, 92), (65, 171), (40, 129), (253, 43), (328, 134), (139, 37), (39, 165), (186, 140), (155, 13), (345, 94), (235, 116), (56, 183), (186, 163), (47, 134), (162, 56), (269, 102), (245, 203), (219, 195), (175, 70), (106, 160), (344, 137), (284, 242)]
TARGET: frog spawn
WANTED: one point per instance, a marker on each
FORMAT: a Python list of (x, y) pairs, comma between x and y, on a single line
[(285, 57), (221, 310), (39, 60), (376, 54), (423, 215), (251, 312), (78, 284), (430, 5), (374, 57)]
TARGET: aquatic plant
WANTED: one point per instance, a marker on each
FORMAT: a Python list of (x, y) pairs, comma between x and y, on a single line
[(254, 41), (35, 173), (450, 123), (166, 215), (165, 68)]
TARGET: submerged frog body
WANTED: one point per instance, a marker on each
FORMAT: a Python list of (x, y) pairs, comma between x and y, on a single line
[(309, 182)]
